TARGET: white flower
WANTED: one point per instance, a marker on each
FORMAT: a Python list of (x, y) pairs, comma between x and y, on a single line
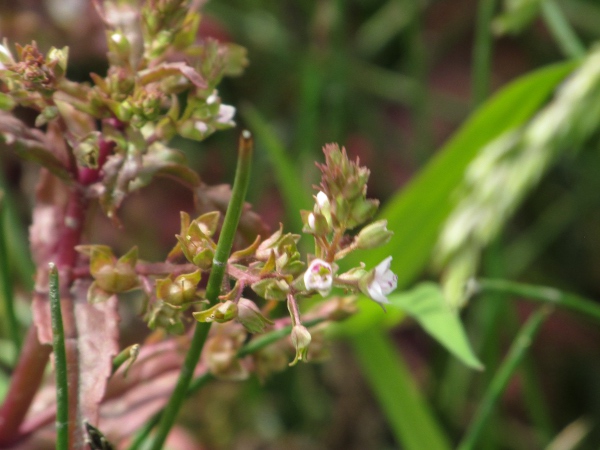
[(226, 113), (311, 221), (322, 200), (201, 126), (323, 206), (319, 276), (384, 281), (5, 57)]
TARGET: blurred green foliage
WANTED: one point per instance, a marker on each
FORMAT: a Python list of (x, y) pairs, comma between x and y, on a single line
[(392, 80)]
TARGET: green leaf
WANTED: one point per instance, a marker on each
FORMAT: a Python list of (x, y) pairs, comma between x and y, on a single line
[(425, 303), (406, 410)]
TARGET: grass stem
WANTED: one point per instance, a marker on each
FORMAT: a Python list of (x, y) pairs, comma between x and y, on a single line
[(542, 294), (502, 377), (213, 289), (60, 360)]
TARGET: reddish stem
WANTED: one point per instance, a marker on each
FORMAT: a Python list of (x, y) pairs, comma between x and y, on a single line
[(24, 384), (28, 374)]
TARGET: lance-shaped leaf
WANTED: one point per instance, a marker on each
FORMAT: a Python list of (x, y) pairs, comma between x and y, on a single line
[(163, 71)]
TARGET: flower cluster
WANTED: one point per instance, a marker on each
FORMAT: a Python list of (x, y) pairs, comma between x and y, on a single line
[(273, 270), (117, 129), (264, 273)]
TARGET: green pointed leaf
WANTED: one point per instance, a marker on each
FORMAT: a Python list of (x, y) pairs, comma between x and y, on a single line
[(425, 303)]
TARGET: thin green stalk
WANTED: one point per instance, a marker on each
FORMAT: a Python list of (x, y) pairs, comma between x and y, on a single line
[(561, 30), (482, 51), (11, 322), (262, 341), (251, 347), (503, 376), (127, 354), (144, 432), (213, 288), (542, 294), (60, 362)]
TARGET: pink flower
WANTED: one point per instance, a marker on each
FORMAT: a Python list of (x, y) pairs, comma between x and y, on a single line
[(319, 276), (383, 283)]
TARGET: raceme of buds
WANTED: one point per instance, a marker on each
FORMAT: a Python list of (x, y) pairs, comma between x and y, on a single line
[(300, 340), (343, 189), (250, 316), (373, 235), (379, 282), (319, 276), (34, 71), (180, 290)]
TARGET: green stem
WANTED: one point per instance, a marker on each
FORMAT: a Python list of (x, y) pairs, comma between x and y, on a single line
[(12, 324), (542, 294), (482, 51), (130, 353), (253, 346), (60, 361), (561, 30), (503, 376), (213, 288)]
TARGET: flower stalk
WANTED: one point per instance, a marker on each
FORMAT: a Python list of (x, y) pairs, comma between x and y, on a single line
[(60, 361), (213, 289)]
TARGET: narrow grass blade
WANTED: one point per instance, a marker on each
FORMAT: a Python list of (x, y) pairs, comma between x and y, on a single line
[(543, 294), (407, 412), (500, 381), (60, 362)]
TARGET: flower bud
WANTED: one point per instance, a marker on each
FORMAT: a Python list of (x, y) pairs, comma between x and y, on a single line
[(315, 223), (197, 247), (220, 313), (167, 317), (271, 289), (354, 275), (220, 353), (112, 275), (362, 210), (374, 235), (57, 59), (250, 316), (300, 340), (178, 291), (323, 206)]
